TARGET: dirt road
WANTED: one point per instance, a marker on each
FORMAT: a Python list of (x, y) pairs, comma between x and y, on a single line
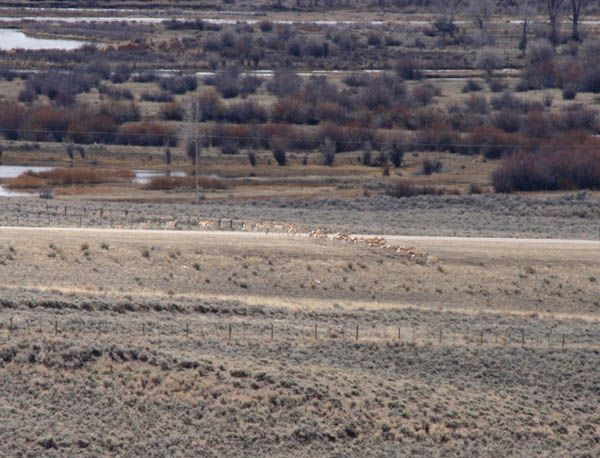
[(487, 247)]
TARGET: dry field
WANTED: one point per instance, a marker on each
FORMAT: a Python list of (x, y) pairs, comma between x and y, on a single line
[(564, 216), (176, 343), (248, 328)]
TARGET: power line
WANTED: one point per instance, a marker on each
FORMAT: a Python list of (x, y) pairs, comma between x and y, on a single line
[(264, 137)]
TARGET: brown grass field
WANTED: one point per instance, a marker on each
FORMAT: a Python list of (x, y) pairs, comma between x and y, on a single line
[(138, 318), (178, 343)]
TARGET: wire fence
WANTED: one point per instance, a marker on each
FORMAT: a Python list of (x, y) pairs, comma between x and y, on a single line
[(151, 331), (19, 214)]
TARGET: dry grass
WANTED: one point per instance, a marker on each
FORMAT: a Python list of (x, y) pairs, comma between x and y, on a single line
[(68, 176), (169, 183), (129, 346)]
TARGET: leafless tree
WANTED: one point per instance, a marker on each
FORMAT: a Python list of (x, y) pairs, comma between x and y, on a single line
[(577, 7), (448, 9), (480, 12), (554, 9), (526, 10)]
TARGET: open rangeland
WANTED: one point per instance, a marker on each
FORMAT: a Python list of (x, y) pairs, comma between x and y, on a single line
[(179, 186), (184, 343)]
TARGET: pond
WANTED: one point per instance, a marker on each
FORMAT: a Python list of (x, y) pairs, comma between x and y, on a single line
[(13, 171), (144, 176), (14, 39)]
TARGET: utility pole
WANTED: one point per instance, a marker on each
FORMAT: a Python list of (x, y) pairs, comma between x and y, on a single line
[(197, 179)]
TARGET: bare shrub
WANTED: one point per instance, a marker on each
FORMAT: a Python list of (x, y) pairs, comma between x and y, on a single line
[(431, 166), (246, 112), (488, 59), (496, 84), (475, 188), (569, 91), (472, 86), (402, 188), (115, 93), (493, 142), (265, 26), (252, 158), (161, 97), (409, 69), (328, 152), (540, 68), (577, 116), (206, 106), (366, 156), (278, 147), (395, 151), (173, 111), (121, 112), (507, 120), (47, 123), (230, 147), (12, 116), (549, 169), (477, 104), (179, 84), (146, 133), (284, 83), (424, 93)]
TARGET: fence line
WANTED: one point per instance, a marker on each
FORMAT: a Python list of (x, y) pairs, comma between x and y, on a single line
[(240, 331), (77, 216)]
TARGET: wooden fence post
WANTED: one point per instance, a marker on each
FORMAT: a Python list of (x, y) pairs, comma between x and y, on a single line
[(316, 335), (357, 332)]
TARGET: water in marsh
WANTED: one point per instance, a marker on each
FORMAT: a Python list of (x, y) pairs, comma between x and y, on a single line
[(14, 39), (13, 171)]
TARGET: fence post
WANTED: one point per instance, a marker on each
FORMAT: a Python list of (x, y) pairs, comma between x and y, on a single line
[(356, 338), (563, 341), (272, 329), (440, 337), (481, 338), (187, 330), (229, 331), (55, 327), (10, 326), (316, 335), (144, 329)]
